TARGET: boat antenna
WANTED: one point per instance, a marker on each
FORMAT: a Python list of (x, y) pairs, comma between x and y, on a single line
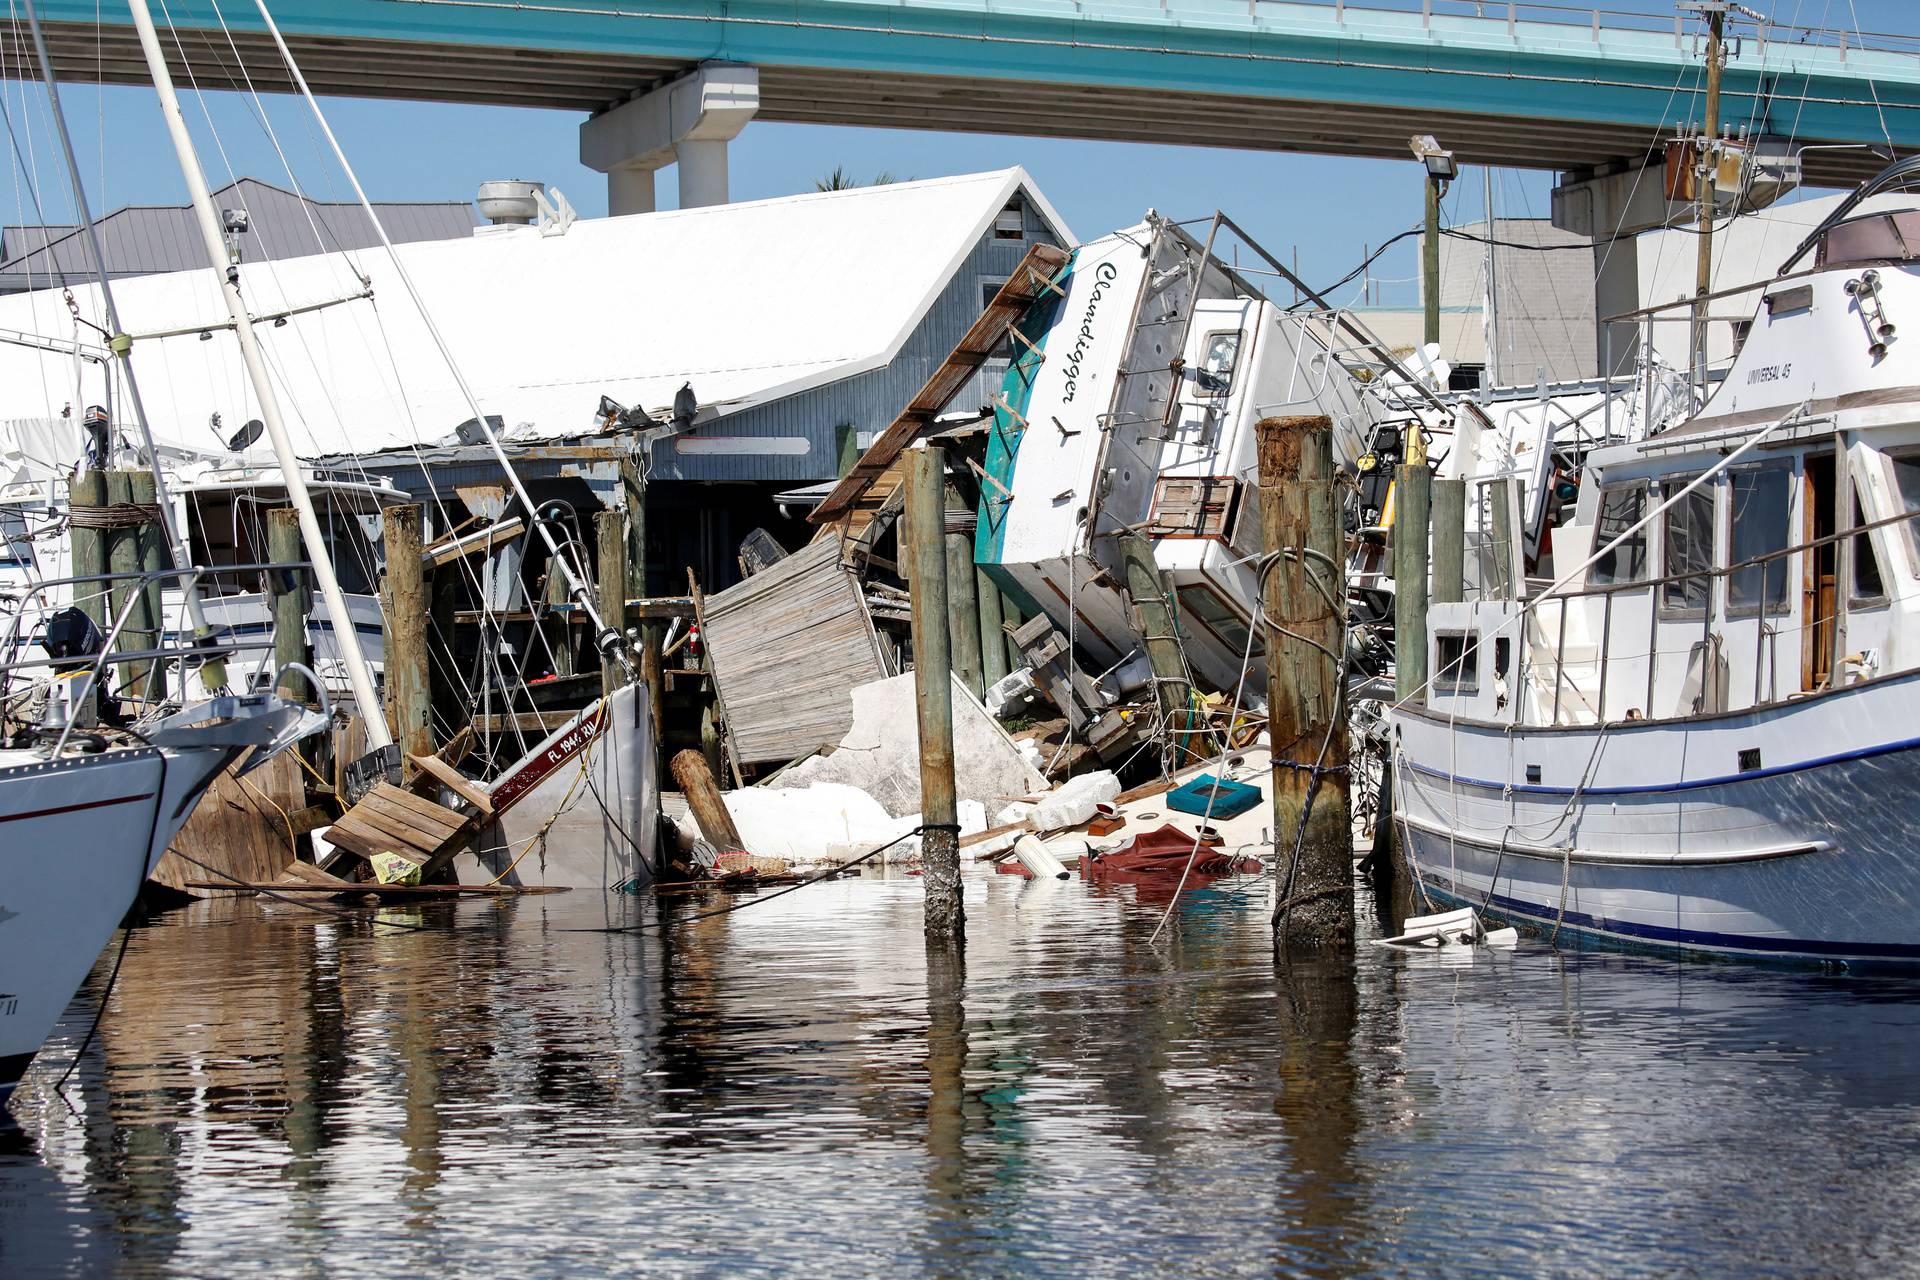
[(610, 642), (213, 672), (382, 752)]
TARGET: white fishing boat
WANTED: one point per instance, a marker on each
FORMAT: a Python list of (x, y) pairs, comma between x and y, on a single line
[(1701, 737), (220, 504)]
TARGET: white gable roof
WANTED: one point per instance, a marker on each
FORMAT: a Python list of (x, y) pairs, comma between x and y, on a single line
[(746, 302)]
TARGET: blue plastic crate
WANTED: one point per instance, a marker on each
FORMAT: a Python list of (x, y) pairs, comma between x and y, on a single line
[(1229, 799)]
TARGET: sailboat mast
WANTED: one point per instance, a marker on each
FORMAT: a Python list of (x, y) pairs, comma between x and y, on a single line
[(359, 676), (1491, 328), (213, 671), (612, 645)]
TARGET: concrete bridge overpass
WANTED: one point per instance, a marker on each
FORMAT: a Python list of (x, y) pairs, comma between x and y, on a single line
[(1525, 85)]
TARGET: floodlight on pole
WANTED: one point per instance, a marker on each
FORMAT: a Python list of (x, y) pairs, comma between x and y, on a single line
[(1440, 163)]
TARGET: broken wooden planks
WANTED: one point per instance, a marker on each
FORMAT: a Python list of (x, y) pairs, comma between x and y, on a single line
[(390, 820)]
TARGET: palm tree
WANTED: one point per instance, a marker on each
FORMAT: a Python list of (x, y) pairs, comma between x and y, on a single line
[(841, 180)]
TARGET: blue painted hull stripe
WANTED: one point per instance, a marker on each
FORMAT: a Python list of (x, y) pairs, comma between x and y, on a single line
[(1662, 788), (1683, 938)]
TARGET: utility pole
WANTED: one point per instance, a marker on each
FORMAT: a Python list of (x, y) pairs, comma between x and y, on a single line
[(1705, 163), (1441, 170)]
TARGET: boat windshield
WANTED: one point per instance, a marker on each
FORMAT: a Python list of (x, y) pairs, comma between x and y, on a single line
[(1906, 478), (1873, 237)]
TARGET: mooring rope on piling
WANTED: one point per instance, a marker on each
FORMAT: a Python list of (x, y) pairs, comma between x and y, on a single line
[(114, 515)]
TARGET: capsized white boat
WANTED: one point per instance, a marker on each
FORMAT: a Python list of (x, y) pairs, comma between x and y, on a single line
[(1702, 739)]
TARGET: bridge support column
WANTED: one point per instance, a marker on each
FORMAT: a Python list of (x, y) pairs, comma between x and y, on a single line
[(629, 190), (689, 121), (1611, 209)]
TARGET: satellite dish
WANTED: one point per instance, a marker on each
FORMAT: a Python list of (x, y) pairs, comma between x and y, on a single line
[(242, 440)]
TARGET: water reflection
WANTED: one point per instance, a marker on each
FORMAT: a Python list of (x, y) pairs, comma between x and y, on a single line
[(805, 1086)]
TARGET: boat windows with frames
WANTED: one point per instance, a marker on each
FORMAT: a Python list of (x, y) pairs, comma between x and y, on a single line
[(1686, 548), (1905, 466), (1456, 662), (1758, 501), (1873, 237), (1869, 583), (1216, 370), (1207, 607), (16, 544), (1621, 507)]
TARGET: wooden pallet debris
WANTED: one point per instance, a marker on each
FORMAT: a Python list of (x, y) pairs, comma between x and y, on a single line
[(391, 820)]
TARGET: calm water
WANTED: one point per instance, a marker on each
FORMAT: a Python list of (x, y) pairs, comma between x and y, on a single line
[(793, 1089)]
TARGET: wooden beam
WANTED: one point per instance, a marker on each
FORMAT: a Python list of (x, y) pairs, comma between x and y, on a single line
[(1009, 303)]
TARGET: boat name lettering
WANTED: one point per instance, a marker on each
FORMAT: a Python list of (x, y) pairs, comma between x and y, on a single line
[(510, 789), (1103, 277), (1769, 373)]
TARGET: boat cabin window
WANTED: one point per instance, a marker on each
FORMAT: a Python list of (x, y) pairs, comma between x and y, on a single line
[(1621, 507), (1874, 237), (1216, 371), (16, 547), (1456, 662), (1206, 606), (1687, 548), (1758, 501), (1906, 483), (1868, 582)]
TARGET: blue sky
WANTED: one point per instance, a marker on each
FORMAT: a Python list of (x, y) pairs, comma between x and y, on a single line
[(1329, 208)]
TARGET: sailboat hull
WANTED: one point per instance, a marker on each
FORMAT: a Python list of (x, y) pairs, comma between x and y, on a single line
[(580, 810), (77, 838)]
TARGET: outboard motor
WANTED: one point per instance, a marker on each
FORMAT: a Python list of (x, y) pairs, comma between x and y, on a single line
[(72, 639)]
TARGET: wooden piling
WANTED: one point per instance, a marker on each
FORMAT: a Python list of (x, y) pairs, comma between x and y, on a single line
[(154, 556), (1449, 541), (653, 635), (993, 645), (408, 679), (1304, 602), (1156, 623), (1501, 499), (1412, 518), (127, 596), (292, 597), (1010, 620), (87, 493), (694, 777), (611, 528), (964, 615), (557, 627), (933, 684)]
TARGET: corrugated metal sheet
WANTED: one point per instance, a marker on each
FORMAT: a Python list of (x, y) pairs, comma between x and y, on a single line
[(141, 240), (786, 647)]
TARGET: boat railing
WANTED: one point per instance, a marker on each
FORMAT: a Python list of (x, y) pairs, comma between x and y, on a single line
[(1705, 591), (151, 662)]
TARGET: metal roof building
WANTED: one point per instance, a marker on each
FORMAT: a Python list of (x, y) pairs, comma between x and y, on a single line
[(799, 325), (144, 240)]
